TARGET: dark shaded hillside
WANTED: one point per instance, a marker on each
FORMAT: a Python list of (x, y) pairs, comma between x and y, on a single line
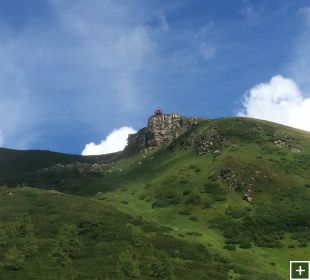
[(19, 163), (48, 235)]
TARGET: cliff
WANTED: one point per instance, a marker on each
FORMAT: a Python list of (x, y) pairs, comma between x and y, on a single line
[(161, 130)]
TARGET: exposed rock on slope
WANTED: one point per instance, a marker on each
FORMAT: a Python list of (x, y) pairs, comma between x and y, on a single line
[(161, 130), (211, 142)]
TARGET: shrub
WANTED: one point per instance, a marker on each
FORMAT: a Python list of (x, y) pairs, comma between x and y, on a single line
[(166, 199), (193, 218), (161, 270), (220, 198), (245, 245), (303, 244), (30, 247), (193, 199), (142, 196), (229, 247), (24, 225), (14, 259), (60, 257), (184, 212), (183, 181), (192, 166), (67, 245), (207, 204), (235, 213), (128, 267), (4, 239), (215, 190), (186, 192)]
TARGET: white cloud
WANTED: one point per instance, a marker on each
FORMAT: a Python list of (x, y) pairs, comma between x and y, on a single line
[(280, 100), (115, 142)]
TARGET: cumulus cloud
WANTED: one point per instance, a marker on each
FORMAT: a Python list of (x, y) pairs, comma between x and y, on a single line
[(115, 142), (280, 100)]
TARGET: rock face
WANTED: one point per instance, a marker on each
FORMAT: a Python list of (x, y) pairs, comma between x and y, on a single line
[(161, 130), (210, 142)]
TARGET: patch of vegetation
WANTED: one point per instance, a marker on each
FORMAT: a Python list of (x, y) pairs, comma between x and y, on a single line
[(96, 242), (267, 224), (166, 199)]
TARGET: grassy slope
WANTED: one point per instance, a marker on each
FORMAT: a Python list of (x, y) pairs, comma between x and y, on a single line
[(170, 187), (283, 184), (49, 235)]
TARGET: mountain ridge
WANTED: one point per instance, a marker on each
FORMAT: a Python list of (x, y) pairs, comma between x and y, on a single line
[(237, 188)]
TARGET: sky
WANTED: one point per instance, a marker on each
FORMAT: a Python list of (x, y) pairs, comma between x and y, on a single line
[(78, 76)]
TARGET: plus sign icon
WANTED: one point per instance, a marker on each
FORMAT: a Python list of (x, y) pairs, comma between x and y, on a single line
[(299, 270)]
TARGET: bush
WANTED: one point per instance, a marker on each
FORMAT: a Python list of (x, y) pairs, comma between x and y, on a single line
[(30, 247), (303, 244), (183, 181), (142, 196), (245, 245), (166, 199), (60, 257), (67, 245), (192, 166), (236, 213), (184, 212), (193, 218), (4, 239), (220, 198), (128, 268), (186, 192), (207, 204), (215, 190), (25, 225), (193, 199), (161, 270), (229, 247), (14, 259)]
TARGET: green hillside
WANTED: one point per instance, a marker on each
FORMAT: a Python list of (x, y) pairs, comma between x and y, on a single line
[(228, 199)]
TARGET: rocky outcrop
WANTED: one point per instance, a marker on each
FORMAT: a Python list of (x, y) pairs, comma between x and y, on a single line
[(210, 142), (161, 130), (284, 141)]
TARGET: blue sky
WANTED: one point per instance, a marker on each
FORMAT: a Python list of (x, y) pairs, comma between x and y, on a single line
[(71, 71)]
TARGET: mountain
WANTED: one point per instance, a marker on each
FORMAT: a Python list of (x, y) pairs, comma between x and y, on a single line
[(189, 198)]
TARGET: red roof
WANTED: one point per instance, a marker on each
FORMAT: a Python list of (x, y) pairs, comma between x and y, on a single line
[(158, 112)]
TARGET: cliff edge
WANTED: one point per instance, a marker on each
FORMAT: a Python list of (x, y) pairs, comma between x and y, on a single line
[(161, 130)]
